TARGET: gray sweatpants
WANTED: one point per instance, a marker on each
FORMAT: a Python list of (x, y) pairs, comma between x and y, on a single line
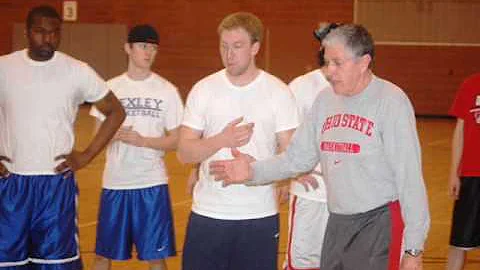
[(365, 241)]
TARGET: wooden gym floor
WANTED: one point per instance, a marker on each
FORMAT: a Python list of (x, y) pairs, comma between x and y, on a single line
[(435, 136)]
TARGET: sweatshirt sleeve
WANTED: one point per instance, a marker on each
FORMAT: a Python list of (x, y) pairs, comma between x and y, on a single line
[(403, 153)]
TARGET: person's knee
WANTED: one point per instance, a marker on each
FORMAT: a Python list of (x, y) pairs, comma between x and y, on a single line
[(101, 263), (157, 264), (458, 250), (100, 260)]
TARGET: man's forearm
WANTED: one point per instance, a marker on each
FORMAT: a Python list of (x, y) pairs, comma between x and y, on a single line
[(166, 143), (198, 149), (271, 170), (169, 142), (457, 147)]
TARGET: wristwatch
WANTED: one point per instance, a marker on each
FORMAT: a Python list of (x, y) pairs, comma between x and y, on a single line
[(414, 252)]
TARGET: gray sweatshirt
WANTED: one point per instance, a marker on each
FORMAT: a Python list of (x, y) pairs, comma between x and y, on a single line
[(368, 147)]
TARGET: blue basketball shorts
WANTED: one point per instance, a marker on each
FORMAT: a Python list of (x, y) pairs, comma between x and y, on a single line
[(140, 217), (38, 222)]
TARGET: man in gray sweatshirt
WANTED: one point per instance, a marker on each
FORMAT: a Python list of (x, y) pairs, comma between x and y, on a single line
[(363, 132)]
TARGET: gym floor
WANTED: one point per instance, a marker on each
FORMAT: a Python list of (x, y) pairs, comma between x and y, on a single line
[(435, 137)]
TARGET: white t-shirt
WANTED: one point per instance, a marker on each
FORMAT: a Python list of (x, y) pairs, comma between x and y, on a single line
[(152, 106), (38, 106), (305, 88), (212, 103)]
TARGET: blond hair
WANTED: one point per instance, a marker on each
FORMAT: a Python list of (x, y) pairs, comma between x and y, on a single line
[(248, 21)]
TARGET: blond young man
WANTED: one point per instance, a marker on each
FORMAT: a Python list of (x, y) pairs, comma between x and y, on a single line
[(240, 107)]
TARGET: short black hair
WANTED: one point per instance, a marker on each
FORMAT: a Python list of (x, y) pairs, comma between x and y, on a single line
[(143, 33), (42, 11)]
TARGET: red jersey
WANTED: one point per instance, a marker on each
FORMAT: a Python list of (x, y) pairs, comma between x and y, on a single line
[(467, 107)]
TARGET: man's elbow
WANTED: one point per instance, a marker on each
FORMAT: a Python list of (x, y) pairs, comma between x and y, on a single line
[(121, 114), (173, 146), (116, 116), (183, 155)]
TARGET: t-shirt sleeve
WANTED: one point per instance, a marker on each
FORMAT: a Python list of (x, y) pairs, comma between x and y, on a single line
[(96, 113), (286, 112), (195, 108), (460, 107), (91, 86), (175, 111), (94, 110), (296, 87), (301, 156)]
